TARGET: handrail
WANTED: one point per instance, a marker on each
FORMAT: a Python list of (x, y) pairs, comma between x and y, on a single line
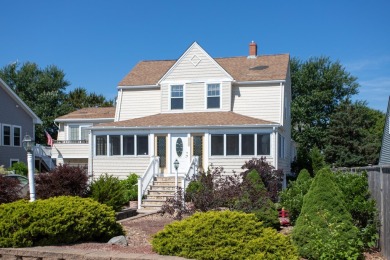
[(192, 170), (41, 153), (144, 181)]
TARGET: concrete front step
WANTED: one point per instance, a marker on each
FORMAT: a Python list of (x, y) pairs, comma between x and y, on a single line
[(162, 188), (170, 178)]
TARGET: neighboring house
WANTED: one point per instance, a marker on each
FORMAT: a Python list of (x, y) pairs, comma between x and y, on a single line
[(223, 111), (72, 145), (16, 120), (384, 157)]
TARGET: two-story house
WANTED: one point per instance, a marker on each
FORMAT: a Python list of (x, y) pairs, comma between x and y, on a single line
[(16, 120), (222, 110)]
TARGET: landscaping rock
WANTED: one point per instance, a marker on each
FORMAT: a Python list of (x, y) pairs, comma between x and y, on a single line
[(119, 240)]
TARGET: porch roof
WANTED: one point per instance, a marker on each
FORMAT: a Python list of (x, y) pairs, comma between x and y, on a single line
[(197, 119)]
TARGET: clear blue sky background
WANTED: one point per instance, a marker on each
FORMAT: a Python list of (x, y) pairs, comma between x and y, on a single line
[(96, 43)]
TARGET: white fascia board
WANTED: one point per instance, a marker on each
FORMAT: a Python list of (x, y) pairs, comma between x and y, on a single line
[(139, 87), (184, 127), (193, 45), (89, 120), (278, 81), (12, 94), (198, 80)]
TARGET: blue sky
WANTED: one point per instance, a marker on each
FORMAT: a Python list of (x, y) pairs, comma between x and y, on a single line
[(96, 43)]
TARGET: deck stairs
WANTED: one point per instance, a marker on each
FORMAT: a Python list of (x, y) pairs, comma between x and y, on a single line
[(158, 192)]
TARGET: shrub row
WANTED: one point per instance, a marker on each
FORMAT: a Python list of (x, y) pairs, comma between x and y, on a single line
[(56, 221)]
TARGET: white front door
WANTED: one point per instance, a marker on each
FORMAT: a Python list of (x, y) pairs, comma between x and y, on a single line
[(180, 150)]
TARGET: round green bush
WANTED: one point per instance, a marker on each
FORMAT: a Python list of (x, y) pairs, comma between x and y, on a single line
[(108, 190), (324, 229), (59, 220), (223, 235)]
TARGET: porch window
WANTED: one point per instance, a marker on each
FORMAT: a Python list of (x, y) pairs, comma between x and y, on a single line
[(6, 135), (213, 96), (217, 146), (115, 145), (142, 145), (162, 150), (177, 97), (248, 144), (101, 145), (17, 135), (232, 145), (198, 149), (263, 144), (128, 145)]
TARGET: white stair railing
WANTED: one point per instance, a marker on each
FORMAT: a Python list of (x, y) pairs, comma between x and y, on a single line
[(144, 181), (44, 153), (192, 170)]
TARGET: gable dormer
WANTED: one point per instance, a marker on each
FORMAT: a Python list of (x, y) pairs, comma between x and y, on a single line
[(196, 82)]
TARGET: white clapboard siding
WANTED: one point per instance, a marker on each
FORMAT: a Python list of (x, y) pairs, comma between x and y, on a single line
[(263, 102), (139, 103), (226, 96), (70, 151), (195, 65), (231, 164), (120, 166)]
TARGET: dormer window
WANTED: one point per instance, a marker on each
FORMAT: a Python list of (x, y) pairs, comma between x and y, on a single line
[(213, 96), (177, 97)]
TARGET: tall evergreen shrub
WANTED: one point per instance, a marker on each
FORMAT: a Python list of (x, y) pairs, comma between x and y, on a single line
[(324, 229), (292, 197)]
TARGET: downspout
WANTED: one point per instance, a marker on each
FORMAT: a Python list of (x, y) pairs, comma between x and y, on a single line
[(276, 148), (120, 106)]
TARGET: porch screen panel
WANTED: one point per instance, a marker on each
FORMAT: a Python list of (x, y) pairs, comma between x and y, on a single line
[(142, 145), (115, 145), (217, 145), (101, 145), (248, 144), (232, 145), (162, 150), (128, 145), (198, 148), (263, 144)]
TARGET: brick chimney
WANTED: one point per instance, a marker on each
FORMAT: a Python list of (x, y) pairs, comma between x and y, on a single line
[(252, 50)]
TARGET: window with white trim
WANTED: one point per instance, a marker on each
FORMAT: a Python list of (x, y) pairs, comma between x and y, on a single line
[(115, 144), (177, 100), (213, 96), (142, 145), (240, 144), (6, 135), (101, 145), (17, 131), (128, 145)]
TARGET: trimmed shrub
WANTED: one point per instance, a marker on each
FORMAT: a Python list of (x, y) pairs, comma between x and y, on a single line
[(324, 229), (108, 190), (19, 168), (64, 180), (56, 221), (360, 204), (254, 199), (130, 184), (272, 179), (9, 189), (223, 235), (292, 197)]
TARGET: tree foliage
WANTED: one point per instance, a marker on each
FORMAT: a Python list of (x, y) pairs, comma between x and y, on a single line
[(319, 85), (44, 91), (353, 136)]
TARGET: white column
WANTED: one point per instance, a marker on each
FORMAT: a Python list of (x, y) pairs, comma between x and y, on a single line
[(31, 175)]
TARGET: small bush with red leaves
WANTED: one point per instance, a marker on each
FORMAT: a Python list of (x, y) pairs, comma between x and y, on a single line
[(9, 189), (64, 180)]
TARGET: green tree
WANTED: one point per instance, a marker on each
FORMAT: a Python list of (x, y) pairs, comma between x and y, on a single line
[(353, 136), (43, 90), (79, 98), (319, 85)]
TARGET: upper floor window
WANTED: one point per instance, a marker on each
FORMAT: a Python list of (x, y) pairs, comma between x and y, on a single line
[(78, 132), (213, 96), (177, 97)]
